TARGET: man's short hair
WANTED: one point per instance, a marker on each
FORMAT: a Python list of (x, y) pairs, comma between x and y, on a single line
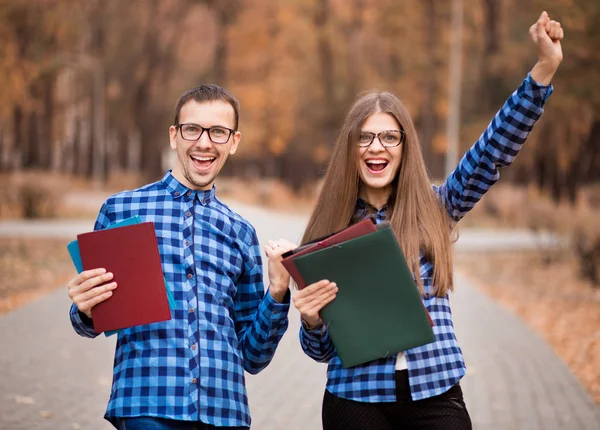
[(208, 93)]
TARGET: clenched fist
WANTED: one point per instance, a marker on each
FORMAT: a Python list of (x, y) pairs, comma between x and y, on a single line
[(546, 34)]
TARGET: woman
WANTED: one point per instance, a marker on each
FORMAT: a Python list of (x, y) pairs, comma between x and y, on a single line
[(377, 171)]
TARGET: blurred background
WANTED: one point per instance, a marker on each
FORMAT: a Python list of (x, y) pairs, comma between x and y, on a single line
[(88, 90)]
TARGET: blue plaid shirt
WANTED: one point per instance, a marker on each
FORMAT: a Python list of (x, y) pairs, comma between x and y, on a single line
[(434, 368), (192, 367)]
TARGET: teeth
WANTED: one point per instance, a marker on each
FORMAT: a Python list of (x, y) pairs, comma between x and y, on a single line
[(203, 158), (377, 162)]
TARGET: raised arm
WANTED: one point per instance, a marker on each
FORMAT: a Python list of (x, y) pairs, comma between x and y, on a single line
[(507, 132)]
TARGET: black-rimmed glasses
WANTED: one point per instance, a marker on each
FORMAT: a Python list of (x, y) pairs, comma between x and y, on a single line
[(388, 138), (217, 133)]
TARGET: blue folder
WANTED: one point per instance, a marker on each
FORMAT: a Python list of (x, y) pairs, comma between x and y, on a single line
[(73, 248)]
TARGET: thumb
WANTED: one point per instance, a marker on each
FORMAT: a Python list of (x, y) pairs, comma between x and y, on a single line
[(540, 25)]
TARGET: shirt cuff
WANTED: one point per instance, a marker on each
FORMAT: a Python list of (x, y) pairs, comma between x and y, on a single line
[(80, 318), (81, 323), (539, 93), (313, 333), (271, 309), (85, 320)]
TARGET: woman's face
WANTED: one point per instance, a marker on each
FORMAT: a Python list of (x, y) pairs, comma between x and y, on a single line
[(377, 164)]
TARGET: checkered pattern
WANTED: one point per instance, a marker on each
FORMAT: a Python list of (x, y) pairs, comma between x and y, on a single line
[(436, 367), (192, 367)]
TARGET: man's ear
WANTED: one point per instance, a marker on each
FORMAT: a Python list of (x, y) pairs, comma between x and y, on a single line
[(237, 136), (173, 137)]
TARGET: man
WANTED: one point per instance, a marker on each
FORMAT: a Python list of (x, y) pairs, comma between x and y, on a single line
[(188, 372)]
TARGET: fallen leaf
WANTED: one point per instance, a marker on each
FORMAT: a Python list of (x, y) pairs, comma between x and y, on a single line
[(23, 400), (45, 414)]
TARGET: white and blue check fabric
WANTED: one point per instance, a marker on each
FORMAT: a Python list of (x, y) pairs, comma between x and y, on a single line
[(191, 367), (434, 368)]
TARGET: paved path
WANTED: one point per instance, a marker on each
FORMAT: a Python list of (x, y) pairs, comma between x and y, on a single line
[(470, 239), (51, 379)]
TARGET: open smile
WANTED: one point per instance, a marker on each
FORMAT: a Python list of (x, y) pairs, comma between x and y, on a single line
[(202, 162), (376, 166)]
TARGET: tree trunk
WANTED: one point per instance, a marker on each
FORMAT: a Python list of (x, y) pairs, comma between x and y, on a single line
[(19, 143), (492, 77), (330, 109), (429, 120), (48, 138), (355, 55)]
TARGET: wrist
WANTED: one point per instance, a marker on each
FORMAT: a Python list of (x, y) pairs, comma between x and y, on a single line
[(544, 70), (310, 324), (277, 293)]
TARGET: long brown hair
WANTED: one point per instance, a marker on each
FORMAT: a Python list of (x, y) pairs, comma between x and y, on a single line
[(418, 218)]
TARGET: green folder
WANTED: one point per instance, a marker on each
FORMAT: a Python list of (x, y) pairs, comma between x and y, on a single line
[(378, 310)]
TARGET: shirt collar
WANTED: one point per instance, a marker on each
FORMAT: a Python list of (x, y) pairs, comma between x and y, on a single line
[(365, 205), (178, 190)]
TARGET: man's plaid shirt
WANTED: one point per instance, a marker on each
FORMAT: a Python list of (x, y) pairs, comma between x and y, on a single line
[(192, 367), (435, 368)]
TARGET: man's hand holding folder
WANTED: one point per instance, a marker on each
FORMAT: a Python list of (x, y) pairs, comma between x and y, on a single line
[(126, 255), (366, 294)]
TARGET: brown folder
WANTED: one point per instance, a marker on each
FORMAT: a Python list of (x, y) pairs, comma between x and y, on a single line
[(131, 254), (359, 229)]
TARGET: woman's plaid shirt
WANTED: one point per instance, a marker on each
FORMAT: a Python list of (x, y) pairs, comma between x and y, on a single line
[(192, 367), (436, 367)]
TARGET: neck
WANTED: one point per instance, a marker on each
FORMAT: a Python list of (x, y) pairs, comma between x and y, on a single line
[(377, 197)]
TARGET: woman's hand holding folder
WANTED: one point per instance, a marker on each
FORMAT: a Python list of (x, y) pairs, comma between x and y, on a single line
[(310, 300)]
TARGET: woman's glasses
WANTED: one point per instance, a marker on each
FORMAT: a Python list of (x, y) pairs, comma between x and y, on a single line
[(388, 138)]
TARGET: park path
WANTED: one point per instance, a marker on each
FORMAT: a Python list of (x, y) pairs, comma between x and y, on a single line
[(52, 379)]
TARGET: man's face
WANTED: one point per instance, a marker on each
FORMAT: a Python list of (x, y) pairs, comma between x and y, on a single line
[(199, 162)]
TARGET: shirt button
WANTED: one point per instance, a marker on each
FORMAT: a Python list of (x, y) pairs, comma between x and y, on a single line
[(189, 193), (187, 243), (176, 193), (194, 347), (188, 213), (203, 202), (190, 276), (191, 310), (194, 380)]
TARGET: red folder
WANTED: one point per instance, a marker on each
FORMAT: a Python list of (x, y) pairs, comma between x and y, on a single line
[(361, 228), (131, 254)]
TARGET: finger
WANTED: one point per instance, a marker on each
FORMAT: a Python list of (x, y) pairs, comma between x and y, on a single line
[(85, 296), (287, 244), (310, 289), (541, 24), (91, 283), (304, 300), (553, 33), (85, 275), (274, 253), (561, 34), (312, 310), (268, 251), (88, 305)]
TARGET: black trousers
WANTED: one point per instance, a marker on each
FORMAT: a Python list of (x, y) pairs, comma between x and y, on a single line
[(444, 412)]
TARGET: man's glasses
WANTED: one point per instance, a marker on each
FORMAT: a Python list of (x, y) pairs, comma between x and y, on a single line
[(216, 134), (388, 138)]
